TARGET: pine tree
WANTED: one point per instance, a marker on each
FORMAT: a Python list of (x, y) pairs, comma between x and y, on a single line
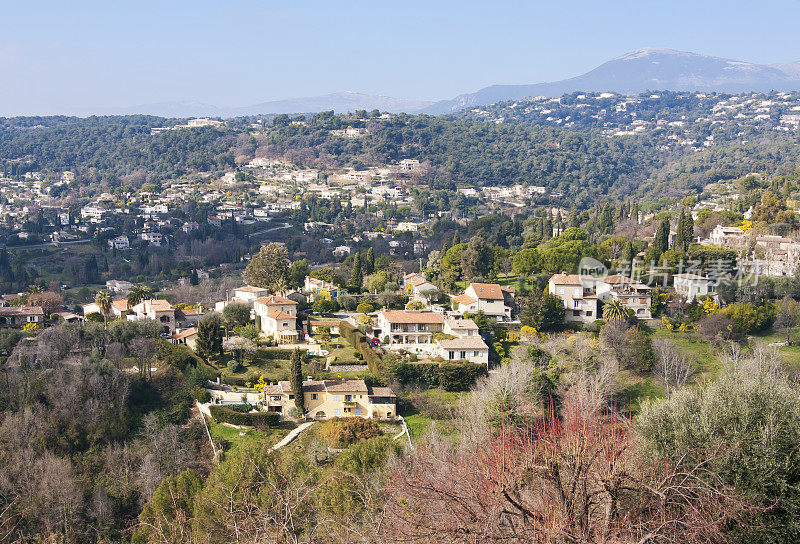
[(296, 380)]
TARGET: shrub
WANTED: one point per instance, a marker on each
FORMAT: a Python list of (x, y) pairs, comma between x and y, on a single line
[(450, 376), (259, 420), (348, 430)]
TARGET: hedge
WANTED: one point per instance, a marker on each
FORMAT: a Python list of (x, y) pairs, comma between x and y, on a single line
[(359, 342), (450, 376), (275, 354), (259, 420)]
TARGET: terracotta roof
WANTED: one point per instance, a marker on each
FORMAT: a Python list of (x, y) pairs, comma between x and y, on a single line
[(277, 314), (312, 386), (462, 324), (272, 389), (21, 310), (465, 299), (380, 392), (407, 316), (250, 289), (327, 323), (345, 386), (192, 311), (467, 342), (120, 305), (275, 300), (569, 279), (160, 305), (487, 291), (191, 331)]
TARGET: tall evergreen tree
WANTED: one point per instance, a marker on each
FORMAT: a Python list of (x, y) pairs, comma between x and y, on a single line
[(680, 241), (209, 336), (357, 277), (456, 239), (369, 261), (688, 229), (296, 380)]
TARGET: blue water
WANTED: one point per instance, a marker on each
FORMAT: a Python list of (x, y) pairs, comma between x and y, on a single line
[(233, 402)]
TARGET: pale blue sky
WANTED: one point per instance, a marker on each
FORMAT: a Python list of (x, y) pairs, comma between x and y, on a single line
[(58, 56)]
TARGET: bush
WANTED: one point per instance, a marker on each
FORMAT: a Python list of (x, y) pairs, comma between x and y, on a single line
[(348, 430), (259, 420), (459, 376), (450, 376), (274, 354)]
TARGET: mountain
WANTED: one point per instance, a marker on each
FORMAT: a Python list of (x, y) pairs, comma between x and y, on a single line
[(339, 102), (642, 70)]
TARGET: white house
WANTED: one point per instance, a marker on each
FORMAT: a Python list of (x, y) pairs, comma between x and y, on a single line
[(692, 286), (490, 298)]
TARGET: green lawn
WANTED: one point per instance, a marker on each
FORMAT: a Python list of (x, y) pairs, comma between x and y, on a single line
[(703, 355), (789, 354), (418, 418), (233, 438)]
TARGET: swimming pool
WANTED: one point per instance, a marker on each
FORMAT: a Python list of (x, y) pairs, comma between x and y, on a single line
[(233, 402)]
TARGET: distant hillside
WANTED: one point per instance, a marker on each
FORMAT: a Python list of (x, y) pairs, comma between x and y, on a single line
[(338, 102), (645, 69)]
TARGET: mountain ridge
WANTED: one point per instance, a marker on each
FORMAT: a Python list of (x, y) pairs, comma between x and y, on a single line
[(648, 68)]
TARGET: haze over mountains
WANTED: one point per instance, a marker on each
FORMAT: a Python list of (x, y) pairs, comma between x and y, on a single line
[(632, 73)]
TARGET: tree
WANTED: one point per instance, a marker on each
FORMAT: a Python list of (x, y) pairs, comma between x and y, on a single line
[(364, 308), (168, 516), (672, 366), (660, 241), (615, 310), (788, 316), (103, 300), (209, 336), (137, 294), (269, 268), (369, 261), (239, 346), (296, 378), (748, 422), (477, 258), (236, 314), (48, 301), (297, 274), (325, 306), (357, 277), (542, 310)]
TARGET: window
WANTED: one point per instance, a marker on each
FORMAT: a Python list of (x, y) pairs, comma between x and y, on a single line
[(589, 314), (348, 398), (561, 291), (313, 396), (576, 313), (576, 304)]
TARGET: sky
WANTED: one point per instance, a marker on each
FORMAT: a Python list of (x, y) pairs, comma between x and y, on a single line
[(65, 57)]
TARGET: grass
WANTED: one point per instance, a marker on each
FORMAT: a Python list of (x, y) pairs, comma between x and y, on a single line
[(344, 353), (635, 389), (789, 354), (419, 421), (233, 438), (702, 354)]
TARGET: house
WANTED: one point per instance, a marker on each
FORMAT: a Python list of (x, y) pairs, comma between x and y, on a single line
[(460, 327), (19, 316), (317, 288), (187, 337), (281, 327), (692, 286), (576, 291), (342, 251), (247, 294), (158, 310), (118, 308), (190, 226), (727, 236), (490, 298), (119, 287), (332, 324), (405, 329), (189, 316), (277, 318), (467, 348), (631, 293), (120, 243), (325, 399), (153, 238), (416, 286), (408, 165)]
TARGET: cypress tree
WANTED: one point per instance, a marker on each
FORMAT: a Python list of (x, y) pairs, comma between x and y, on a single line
[(296, 379), (357, 278), (680, 241), (688, 229), (369, 262), (456, 239)]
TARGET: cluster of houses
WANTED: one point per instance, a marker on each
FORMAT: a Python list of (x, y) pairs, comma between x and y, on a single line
[(763, 254)]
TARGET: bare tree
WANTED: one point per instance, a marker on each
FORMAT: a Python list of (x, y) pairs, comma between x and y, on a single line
[(672, 367)]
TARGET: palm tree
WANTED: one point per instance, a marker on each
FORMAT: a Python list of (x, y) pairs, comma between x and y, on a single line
[(616, 311), (103, 301), (137, 294)]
